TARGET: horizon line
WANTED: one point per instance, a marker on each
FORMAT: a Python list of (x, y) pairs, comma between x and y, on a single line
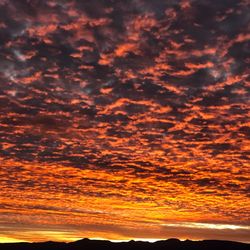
[(146, 240)]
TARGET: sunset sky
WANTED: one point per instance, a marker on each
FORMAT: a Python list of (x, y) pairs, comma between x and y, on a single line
[(124, 119)]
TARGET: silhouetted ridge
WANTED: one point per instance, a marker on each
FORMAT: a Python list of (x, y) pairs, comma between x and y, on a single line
[(170, 244)]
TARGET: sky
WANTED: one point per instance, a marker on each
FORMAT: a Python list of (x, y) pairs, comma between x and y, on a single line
[(124, 119)]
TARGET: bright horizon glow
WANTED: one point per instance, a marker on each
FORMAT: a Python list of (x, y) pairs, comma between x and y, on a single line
[(151, 240), (206, 225), (62, 236), (9, 240)]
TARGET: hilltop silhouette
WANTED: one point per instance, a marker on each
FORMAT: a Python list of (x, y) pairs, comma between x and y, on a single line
[(171, 244)]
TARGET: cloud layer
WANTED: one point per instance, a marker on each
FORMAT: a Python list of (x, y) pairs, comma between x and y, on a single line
[(116, 115)]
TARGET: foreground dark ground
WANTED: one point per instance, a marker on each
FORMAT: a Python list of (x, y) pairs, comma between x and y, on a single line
[(171, 244)]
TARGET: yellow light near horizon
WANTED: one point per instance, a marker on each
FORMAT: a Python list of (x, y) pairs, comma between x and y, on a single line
[(40, 236), (4, 239)]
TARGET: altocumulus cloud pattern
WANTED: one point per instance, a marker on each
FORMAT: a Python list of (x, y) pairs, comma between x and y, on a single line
[(124, 119)]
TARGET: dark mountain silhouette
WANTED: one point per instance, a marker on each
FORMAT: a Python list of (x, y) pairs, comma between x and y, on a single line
[(171, 244)]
